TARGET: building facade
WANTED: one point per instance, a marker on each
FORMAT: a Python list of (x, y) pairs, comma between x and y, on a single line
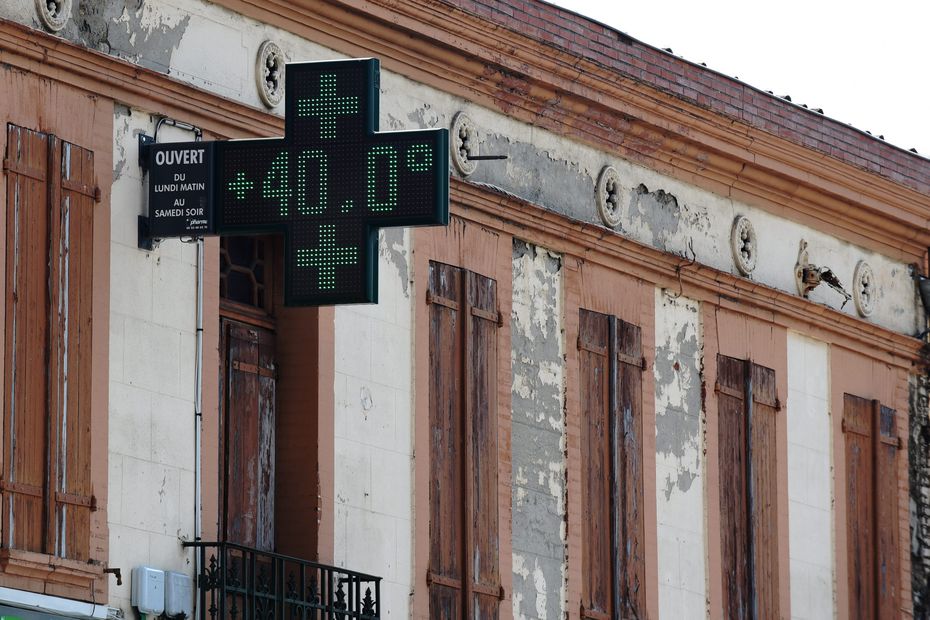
[(662, 363)]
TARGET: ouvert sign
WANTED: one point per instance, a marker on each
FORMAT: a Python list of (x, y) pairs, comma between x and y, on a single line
[(328, 185)]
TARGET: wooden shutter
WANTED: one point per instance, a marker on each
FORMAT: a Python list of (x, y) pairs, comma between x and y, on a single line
[(860, 533), (763, 496), (46, 474), (249, 437), (481, 323), (613, 550), (735, 539), (464, 572), (595, 385), (886, 509), (627, 433), (71, 267), (25, 520), (872, 507)]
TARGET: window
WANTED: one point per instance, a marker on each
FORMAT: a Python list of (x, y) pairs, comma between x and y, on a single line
[(747, 408), (464, 571), (45, 490), (871, 444), (613, 550)]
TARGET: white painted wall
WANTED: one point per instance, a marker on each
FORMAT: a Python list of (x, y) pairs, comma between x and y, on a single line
[(217, 52), (152, 347), (679, 462), (810, 476), (374, 431)]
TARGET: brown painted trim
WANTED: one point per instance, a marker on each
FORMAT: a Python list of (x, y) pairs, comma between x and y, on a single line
[(519, 76), (853, 373), (592, 286), (87, 121), (735, 334), (597, 244), (105, 76), (465, 55), (489, 253)]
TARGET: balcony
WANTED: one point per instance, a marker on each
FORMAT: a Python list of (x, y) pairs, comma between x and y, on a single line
[(238, 582)]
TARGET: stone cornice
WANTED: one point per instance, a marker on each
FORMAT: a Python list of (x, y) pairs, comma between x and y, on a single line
[(497, 210), (548, 87), (459, 52), (57, 59)]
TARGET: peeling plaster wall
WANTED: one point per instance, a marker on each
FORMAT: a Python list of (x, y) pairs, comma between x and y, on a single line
[(151, 394), (374, 430), (679, 463), (215, 49), (538, 440), (810, 479)]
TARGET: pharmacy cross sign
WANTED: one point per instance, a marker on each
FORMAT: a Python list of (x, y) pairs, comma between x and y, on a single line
[(331, 182)]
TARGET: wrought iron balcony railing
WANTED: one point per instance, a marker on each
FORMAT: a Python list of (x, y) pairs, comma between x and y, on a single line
[(237, 582)]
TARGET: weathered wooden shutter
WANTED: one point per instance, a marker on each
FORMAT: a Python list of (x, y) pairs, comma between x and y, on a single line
[(763, 496), (45, 484), (596, 518), (26, 387), (249, 437), (735, 551), (747, 409), (886, 509), (71, 274), (464, 571), (481, 324), (627, 433), (613, 551), (872, 507)]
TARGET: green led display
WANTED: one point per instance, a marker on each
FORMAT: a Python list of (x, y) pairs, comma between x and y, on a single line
[(331, 182)]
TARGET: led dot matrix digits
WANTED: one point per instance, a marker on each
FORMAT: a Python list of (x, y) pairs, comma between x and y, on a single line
[(332, 181)]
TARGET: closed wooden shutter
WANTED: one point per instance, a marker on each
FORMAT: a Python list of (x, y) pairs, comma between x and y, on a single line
[(596, 518), (735, 551), (886, 509), (613, 551), (47, 496), (764, 490), (747, 409), (464, 572), (628, 463), (871, 445), (249, 436), (71, 266), (25, 520)]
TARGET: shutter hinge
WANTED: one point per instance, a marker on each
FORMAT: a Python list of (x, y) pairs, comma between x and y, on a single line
[(843, 427), (93, 503), (777, 404), (98, 195), (6, 164), (502, 595), (645, 363)]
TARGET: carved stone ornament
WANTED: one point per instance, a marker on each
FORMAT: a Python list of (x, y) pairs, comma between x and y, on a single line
[(54, 14), (463, 142), (744, 244), (608, 196), (269, 73), (865, 291)]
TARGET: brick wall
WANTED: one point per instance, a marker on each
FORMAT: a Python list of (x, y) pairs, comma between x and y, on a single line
[(701, 86)]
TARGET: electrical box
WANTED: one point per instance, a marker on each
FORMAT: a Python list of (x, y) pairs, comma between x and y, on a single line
[(148, 589), (179, 595)]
